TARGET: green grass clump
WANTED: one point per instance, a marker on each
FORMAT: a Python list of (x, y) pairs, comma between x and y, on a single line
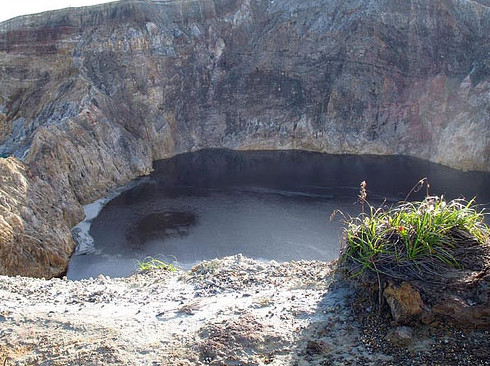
[(151, 263), (414, 239)]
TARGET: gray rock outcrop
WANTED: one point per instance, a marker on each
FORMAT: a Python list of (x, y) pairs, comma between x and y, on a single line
[(91, 96)]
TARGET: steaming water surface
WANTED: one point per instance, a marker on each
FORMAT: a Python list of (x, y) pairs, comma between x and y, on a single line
[(265, 205)]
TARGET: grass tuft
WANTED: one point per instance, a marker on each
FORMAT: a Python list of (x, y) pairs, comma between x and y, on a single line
[(418, 240), (150, 263)]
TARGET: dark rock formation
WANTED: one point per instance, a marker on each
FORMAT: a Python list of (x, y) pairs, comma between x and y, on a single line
[(91, 96)]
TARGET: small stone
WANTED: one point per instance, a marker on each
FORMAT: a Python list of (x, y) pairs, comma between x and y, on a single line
[(404, 301), (400, 336), (316, 347)]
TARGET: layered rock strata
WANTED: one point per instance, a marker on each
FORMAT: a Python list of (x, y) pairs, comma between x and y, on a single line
[(91, 96)]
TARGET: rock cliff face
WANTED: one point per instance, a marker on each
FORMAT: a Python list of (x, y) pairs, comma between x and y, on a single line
[(91, 96)]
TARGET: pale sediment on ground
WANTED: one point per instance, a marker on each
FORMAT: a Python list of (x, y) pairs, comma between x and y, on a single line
[(232, 311)]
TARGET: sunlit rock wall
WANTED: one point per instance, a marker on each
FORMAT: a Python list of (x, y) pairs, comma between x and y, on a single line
[(91, 96)]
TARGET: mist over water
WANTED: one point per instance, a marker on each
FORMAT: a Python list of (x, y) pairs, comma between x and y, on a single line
[(263, 204)]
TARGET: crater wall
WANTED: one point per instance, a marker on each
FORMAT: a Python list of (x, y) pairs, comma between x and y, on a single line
[(92, 96)]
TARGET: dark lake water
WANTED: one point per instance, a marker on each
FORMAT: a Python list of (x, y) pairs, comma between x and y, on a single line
[(270, 205)]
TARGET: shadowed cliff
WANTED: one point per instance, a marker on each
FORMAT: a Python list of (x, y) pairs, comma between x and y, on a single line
[(91, 96)]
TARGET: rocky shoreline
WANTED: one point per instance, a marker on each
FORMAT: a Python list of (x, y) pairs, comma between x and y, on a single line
[(230, 311)]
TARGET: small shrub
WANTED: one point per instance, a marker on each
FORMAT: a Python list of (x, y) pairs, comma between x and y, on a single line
[(414, 239)]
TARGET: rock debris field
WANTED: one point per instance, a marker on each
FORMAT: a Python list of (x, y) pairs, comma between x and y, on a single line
[(232, 311)]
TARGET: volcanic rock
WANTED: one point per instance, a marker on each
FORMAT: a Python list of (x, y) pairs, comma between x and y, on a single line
[(404, 301), (92, 96)]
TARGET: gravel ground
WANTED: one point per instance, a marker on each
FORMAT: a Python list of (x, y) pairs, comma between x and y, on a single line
[(232, 311)]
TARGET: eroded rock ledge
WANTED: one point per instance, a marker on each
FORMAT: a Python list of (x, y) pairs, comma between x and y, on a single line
[(35, 223), (91, 96)]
